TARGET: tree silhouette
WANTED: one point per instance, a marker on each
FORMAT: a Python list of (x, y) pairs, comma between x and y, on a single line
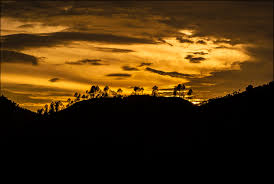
[(46, 109), (142, 90), (106, 90), (175, 91), (93, 91), (189, 92), (51, 108), (77, 96), (249, 88), (136, 89), (183, 88), (178, 89), (119, 92), (69, 102), (58, 105), (155, 91), (40, 111)]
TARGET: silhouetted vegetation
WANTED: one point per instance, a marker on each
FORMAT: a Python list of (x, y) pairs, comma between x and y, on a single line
[(153, 124)]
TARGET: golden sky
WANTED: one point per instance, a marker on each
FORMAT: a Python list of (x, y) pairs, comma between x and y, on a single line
[(52, 49)]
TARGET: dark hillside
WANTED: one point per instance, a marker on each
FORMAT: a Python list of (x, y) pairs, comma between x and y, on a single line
[(240, 123), (157, 123), (237, 123), (13, 119), (11, 112)]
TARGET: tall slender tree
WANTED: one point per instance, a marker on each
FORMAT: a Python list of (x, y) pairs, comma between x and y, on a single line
[(175, 91), (155, 91), (106, 90)]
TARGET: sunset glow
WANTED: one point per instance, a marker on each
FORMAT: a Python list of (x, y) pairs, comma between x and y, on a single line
[(55, 49)]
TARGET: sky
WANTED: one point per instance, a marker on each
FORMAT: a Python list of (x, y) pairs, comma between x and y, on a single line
[(51, 49)]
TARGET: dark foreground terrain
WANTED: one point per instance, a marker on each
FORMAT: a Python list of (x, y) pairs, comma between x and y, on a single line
[(153, 126)]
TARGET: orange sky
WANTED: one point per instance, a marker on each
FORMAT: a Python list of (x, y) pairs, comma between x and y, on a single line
[(124, 44)]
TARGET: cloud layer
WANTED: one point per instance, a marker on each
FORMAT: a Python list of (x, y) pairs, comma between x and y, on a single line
[(8, 56), (214, 46)]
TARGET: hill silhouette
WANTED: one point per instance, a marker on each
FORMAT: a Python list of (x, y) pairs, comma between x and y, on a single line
[(11, 112), (234, 123)]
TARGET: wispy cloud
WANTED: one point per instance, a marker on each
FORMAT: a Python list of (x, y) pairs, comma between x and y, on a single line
[(201, 42), (22, 41), (145, 64), (85, 61), (171, 74), (194, 59), (106, 49), (183, 40), (54, 79), (200, 53), (128, 68), (8, 56), (118, 75)]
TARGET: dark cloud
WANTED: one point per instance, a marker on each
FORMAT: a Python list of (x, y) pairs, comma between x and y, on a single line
[(183, 40), (221, 47), (27, 26), (200, 53), (145, 64), (201, 42), (118, 75), (9, 56), (85, 61), (128, 68), (54, 79), (105, 49), (171, 74), (163, 41), (22, 41), (194, 59)]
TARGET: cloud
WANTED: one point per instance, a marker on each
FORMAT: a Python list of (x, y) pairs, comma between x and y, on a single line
[(105, 49), (157, 19), (230, 42), (22, 41), (194, 59), (221, 47), (128, 68), (201, 42), (85, 61), (163, 41), (26, 26), (54, 79), (183, 40), (118, 75), (258, 72), (200, 53), (171, 74), (9, 56), (145, 64)]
